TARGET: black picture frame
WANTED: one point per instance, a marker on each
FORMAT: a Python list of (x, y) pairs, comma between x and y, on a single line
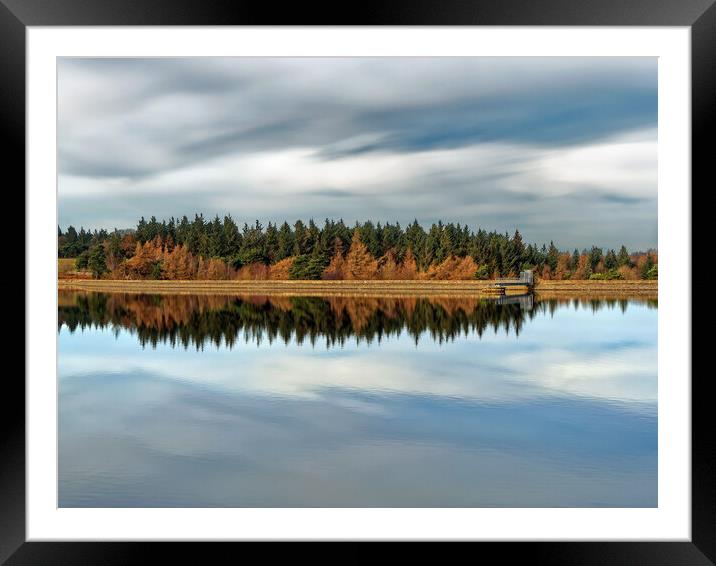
[(700, 15)]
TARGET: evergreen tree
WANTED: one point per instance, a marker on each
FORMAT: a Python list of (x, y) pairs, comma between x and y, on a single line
[(552, 257), (514, 254), (216, 243), (299, 238), (595, 256), (285, 242), (97, 262), (142, 230), (271, 244), (81, 262), (232, 237), (446, 243), (610, 260)]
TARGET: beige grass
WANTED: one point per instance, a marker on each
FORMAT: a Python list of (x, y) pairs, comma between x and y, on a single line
[(67, 269), (357, 288), (65, 264)]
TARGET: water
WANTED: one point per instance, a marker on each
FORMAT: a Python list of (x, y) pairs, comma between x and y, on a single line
[(196, 401)]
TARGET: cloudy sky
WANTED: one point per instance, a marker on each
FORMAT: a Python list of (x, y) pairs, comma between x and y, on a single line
[(564, 149)]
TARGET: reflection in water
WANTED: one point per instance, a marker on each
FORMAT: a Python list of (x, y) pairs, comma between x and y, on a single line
[(201, 319), (441, 402)]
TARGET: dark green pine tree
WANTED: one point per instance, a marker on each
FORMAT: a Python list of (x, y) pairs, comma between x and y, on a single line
[(595, 256), (299, 238), (97, 261), (415, 240), (431, 250), (610, 260), (446, 243), (271, 244), (232, 238), (369, 236), (391, 238), (517, 253), (141, 232), (313, 235), (216, 244), (285, 242), (195, 239), (253, 244), (171, 231), (182, 231), (552, 257)]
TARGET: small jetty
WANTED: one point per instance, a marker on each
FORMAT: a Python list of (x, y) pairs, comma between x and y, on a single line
[(524, 285)]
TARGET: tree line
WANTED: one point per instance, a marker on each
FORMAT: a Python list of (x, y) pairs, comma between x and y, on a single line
[(219, 249)]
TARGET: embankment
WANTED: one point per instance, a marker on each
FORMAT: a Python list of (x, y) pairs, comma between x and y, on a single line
[(597, 289)]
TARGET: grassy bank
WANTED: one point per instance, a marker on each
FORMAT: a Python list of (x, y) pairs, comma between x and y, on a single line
[(67, 269), (598, 289), (357, 288)]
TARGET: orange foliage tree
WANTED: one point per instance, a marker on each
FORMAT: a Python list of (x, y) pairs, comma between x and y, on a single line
[(562, 270), (179, 264), (279, 270), (584, 268), (146, 261), (453, 268), (359, 262), (253, 272), (217, 269), (388, 267), (337, 267), (409, 267)]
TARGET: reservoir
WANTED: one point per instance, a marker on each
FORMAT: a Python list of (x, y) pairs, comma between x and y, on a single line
[(260, 401)]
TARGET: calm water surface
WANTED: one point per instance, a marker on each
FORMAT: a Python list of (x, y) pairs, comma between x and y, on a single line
[(202, 401)]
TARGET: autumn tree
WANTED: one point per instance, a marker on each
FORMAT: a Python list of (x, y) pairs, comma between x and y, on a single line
[(584, 268), (146, 261), (281, 269), (179, 264), (217, 269), (562, 270), (359, 262), (387, 266), (408, 267), (337, 266)]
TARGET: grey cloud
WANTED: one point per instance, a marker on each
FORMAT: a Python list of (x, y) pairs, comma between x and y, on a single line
[(272, 104), (620, 199), (140, 119), (332, 193)]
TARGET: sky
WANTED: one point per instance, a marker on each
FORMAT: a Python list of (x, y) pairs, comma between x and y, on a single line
[(561, 148)]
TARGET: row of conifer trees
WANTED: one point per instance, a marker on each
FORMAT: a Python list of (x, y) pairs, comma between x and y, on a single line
[(218, 249)]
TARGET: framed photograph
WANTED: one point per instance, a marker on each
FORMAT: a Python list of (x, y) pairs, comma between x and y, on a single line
[(389, 279)]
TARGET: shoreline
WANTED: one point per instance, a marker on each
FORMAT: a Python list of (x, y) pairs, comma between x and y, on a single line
[(372, 288)]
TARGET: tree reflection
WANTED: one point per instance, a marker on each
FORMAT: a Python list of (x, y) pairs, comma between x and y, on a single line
[(197, 320)]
